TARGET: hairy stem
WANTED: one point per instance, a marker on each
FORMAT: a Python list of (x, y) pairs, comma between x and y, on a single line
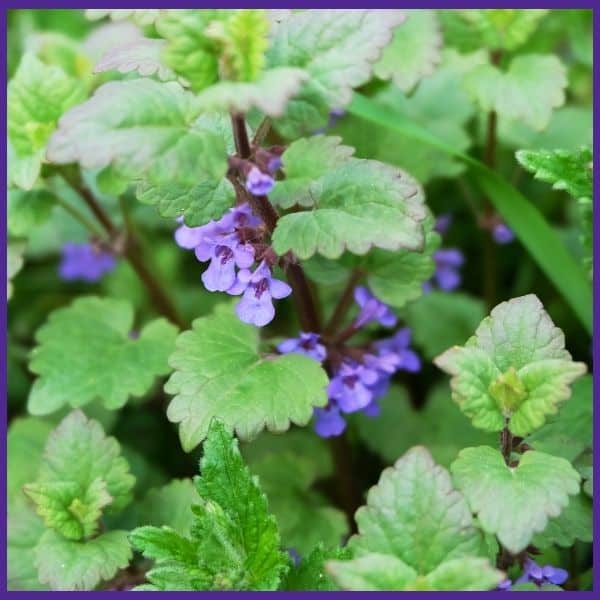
[(158, 295), (344, 303), (506, 442)]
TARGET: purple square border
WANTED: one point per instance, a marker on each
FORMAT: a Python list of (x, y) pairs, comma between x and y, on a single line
[(339, 4)]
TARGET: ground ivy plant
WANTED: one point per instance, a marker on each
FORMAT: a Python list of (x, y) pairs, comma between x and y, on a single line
[(231, 283)]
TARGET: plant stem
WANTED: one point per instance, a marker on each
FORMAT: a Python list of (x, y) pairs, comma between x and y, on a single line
[(156, 292), (240, 135), (79, 216), (506, 441), (345, 302)]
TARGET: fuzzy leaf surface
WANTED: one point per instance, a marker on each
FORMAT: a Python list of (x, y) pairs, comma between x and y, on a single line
[(220, 373), (92, 337), (528, 91), (514, 503), (337, 49), (515, 367), (360, 205)]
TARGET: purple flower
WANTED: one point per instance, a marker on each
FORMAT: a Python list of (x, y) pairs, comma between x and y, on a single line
[(274, 164), (295, 556), (447, 273), (258, 183), (349, 387), (504, 586), (329, 422), (220, 275), (503, 234), (398, 347), (442, 223), (259, 289), (84, 262), (307, 344), (372, 309), (539, 575)]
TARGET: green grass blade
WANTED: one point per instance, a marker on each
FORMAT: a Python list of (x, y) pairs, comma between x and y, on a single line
[(522, 216)]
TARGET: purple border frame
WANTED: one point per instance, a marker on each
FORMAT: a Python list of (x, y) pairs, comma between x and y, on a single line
[(341, 4)]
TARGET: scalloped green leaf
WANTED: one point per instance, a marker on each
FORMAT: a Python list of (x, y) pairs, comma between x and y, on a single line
[(142, 56), (38, 95), (528, 91), (495, 29), (81, 474), (92, 336), (514, 503), (412, 504), (310, 574), (270, 93), (414, 51), (337, 48), (575, 522), (360, 205), (14, 263), (383, 572), (26, 209), (570, 432), (66, 565), (220, 373), (142, 128), (565, 170), (515, 369), (304, 162), (234, 542)]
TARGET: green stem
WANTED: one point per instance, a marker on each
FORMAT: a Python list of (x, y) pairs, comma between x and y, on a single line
[(344, 303), (79, 216)]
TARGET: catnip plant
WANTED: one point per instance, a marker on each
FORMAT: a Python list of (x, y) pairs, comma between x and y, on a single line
[(299, 300)]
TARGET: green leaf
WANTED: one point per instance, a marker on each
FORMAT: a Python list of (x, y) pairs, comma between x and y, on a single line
[(219, 372), (413, 504), (92, 337), (38, 95), (27, 209), (573, 523), (310, 574), (304, 517), (569, 171), (380, 572), (542, 243), (141, 17), (142, 55), (270, 93), (24, 529), (359, 205), (234, 542), (514, 503), (439, 425), (305, 161), (497, 29), (568, 433), (514, 369), (337, 48), (439, 320), (81, 473), (398, 277), (170, 505), (123, 117), (66, 565), (414, 51), (201, 203), (447, 120), (528, 91), (243, 40), (190, 52), (14, 263)]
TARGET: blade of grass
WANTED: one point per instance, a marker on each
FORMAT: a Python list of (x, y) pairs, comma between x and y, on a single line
[(522, 216)]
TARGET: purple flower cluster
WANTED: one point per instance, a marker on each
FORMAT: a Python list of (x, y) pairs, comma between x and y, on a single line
[(448, 261), (230, 259), (259, 183), (84, 262), (534, 573), (357, 383)]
